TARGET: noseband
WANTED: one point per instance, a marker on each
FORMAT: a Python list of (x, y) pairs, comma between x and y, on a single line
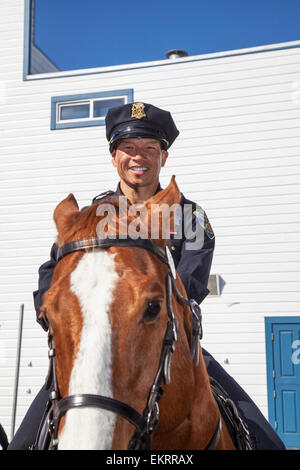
[(146, 422)]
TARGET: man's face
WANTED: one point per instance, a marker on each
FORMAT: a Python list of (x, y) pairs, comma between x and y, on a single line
[(139, 160)]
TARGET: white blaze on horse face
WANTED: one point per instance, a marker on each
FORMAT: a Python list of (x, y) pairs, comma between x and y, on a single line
[(93, 282)]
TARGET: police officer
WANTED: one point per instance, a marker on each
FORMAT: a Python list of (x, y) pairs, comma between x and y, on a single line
[(139, 137)]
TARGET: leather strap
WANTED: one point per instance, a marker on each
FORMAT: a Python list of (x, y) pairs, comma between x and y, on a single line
[(89, 243), (215, 439), (99, 401)]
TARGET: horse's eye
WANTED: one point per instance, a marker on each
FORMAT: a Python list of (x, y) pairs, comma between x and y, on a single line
[(152, 310)]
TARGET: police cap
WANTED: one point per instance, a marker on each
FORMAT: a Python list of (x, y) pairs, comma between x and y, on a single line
[(140, 120)]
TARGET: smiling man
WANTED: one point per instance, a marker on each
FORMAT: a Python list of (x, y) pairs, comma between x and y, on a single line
[(138, 162), (139, 137)]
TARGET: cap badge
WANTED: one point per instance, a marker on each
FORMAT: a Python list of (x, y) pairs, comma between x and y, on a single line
[(138, 110)]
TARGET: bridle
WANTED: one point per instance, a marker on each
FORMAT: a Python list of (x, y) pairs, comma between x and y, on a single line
[(146, 422)]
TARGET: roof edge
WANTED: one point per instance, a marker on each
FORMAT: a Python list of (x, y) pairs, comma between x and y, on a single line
[(157, 63)]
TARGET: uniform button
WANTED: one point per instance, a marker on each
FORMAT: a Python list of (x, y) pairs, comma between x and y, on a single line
[(173, 248)]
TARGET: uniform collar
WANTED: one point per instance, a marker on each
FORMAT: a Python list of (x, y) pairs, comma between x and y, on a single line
[(119, 192)]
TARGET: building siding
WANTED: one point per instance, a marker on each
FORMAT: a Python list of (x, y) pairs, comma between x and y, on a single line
[(237, 156)]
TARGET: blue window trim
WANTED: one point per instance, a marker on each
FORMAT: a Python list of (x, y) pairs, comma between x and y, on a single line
[(269, 322), (27, 37), (54, 125)]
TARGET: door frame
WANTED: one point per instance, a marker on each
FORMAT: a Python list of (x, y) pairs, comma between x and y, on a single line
[(269, 322)]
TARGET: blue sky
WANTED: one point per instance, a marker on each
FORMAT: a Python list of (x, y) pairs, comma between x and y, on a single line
[(95, 33)]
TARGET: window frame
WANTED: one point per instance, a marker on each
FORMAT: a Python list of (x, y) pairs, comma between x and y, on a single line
[(72, 100)]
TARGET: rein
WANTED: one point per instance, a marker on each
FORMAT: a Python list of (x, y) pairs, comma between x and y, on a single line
[(146, 422)]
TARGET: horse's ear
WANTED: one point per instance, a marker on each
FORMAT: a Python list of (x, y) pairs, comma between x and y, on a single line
[(170, 195), (64, 213), (161, 212)]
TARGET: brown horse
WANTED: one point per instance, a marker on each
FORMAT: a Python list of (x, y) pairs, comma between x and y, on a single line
[(108, 311)]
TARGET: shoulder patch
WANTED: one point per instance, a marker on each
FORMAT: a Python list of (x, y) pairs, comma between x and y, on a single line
[(204, 222), (101, 196)]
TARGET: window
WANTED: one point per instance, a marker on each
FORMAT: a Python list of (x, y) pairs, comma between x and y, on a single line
[(73, 111), (62, 36), (35, 59), (86, 110)]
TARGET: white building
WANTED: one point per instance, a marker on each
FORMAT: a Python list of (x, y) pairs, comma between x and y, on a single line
[(237, 156)]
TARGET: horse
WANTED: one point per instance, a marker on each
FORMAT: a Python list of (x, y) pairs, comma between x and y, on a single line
[(118, 313)]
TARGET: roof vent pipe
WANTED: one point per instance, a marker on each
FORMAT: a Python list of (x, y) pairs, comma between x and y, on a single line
[(176, 54)]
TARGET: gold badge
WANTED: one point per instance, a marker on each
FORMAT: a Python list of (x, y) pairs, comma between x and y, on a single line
[(138, 110)]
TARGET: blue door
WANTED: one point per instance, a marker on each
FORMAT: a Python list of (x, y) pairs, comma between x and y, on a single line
[(283, 373)]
